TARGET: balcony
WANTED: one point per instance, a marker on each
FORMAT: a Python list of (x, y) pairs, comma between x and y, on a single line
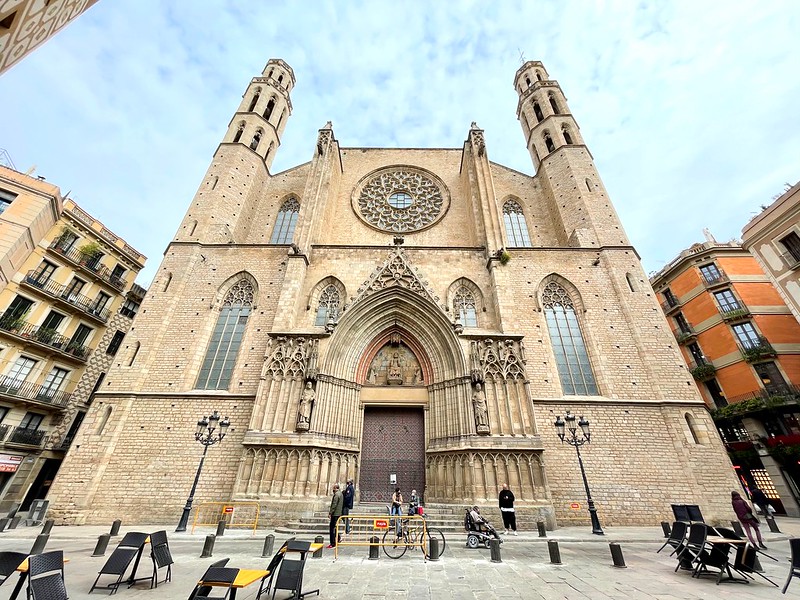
[(669, 305), (89, 264), (62, 294), (31, 392), (754, 350), (712, 280), (26, 437), (735, 312), (791, 261), (44, 338), (63, 444), (702, 370), (684, 334), (784, 398), (4, 431)]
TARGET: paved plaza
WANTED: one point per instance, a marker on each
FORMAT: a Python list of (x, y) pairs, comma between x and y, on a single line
[(460, 574)]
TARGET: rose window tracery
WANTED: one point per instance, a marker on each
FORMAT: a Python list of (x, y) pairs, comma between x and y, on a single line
[(400, 199)]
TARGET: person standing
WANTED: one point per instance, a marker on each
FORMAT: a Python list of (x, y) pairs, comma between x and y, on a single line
[(337, 505), (506, 501), (760, 499), (748, 520), (397, 508), (348, 495)]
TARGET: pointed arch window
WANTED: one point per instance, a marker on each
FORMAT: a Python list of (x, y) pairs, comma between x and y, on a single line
[(553, 105), (328, 307), (283, 231), (217, 368), (516, 227), (254, 101), (548, 141), (255, 141), (239, 133), (567, 136), (537, 110), (538, 76), (269, 109), (572, 360), (528, 81), (464, 307)]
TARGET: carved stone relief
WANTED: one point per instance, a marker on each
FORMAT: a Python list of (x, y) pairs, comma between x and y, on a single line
[(292, 357), (395, 365), (497, 359)]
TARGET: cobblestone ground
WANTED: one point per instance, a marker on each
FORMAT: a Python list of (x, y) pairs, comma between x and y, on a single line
[(461, 574)]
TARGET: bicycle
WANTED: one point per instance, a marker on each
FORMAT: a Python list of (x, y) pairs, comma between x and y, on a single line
[(395, 546)]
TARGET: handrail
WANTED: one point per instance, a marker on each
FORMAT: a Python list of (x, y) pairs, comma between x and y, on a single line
[(62, 292), (88, 263)]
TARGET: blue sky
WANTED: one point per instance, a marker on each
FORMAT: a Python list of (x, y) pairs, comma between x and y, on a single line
[(689, 108)]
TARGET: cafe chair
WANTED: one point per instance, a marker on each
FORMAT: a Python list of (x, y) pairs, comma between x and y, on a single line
[(272, 568), (159, 552), (794, 570), (117, 564), (202, 591), (9, 561), (676, 538), (46, 576), (222, 578)]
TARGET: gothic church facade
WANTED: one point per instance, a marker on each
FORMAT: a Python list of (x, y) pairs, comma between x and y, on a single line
[(408, 315)]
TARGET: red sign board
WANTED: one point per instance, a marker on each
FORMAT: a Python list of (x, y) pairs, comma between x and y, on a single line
[(227, 509), (381, 524), (9, 463), (574, 506)]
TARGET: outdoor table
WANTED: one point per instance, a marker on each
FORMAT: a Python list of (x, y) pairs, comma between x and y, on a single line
[(243, 579), (741, 545), (22, 569)]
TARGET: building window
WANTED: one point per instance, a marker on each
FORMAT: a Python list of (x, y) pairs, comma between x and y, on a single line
[(215, 374), (101, 425), (690, 424), (716, 393), (697, 354), (53, 382), (31, 421), (238, 135), (516, 227), (631, 282), (253, 102), (78, 339), (770, 376), (15, 314), (73, 289), (117, 273), (328, 307), (683, 324), (747, 335), (51, 322), (129, 308), (42, 274), (710, 273), (792, 244), (548, 141), (6, 198), (553, 105), (283, 232), (537, 111), (100, 302), (727, 301), (66, 240), (572, 360), (464, 307), (19, 372), (567, 136), (670, 297), (269, 109), (255, 141), (116, 341)]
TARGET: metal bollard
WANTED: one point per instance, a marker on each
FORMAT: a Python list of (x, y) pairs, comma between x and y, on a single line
[(318, 540), (666, 529), (494, 550), (555, 553), (40, 543), (221, 528), (616, 555), (208, 547), (542, 531), (3, 524), (102, 544), (374, 548), (737, 528), (14, 522), (433, 548), (773, 526), (269, 544), (48, 526), (115, 527)]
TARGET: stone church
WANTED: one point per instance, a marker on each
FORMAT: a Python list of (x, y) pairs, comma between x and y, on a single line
[(417, 316)]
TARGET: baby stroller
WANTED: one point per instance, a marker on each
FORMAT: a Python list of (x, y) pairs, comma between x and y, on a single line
[(479, 530)]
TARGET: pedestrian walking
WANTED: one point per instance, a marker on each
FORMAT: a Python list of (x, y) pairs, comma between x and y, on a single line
[(748, 520), (337, 505), (348, 496), (760, 499), (506, 501)]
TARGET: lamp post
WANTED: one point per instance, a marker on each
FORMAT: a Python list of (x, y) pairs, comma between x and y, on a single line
[(572, 438), (208, 435)]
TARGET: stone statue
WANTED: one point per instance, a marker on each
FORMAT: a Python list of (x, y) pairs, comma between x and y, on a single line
[(417, 375), (480, 409), (395, 372), (306, 402), (372, 376)]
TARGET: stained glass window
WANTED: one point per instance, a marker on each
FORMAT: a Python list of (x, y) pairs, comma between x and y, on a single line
[(516, 227), (283, 232)]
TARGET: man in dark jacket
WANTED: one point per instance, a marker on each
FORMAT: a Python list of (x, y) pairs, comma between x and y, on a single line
[(349, 495), (335, 512), (760, 499), (507, 510)]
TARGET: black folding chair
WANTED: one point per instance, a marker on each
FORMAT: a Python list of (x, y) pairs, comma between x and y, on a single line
[(9, 561), (159, 552), (695, 516), (794, 569), (272, 568), (695, 543), (46, 576), (202, 591), (129, 548), (222, 578), (676, 538), (681, 513)]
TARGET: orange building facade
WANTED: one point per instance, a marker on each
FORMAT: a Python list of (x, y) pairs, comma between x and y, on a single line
[(741, 344)]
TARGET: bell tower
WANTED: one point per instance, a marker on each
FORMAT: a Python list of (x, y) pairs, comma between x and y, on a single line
[(563, 163)]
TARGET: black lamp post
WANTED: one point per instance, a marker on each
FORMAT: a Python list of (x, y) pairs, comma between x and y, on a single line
[(571, 437), (208, 435)]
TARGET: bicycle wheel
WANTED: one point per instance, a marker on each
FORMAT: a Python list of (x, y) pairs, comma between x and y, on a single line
[(393, 546), (436, 534)]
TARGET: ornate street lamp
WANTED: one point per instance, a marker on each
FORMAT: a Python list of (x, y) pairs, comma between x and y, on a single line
[(567, 431), (208, 435)]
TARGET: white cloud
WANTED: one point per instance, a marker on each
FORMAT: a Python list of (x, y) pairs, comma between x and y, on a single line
[(688, 108)]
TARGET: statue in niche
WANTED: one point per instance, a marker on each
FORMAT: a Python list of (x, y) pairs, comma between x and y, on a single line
[(372, 377), (395, 370), (417, 376), (306, 403), (481, 411)]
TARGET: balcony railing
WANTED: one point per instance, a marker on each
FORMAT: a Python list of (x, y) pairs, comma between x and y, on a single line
[(791, 261), (711, 280), (783, 398), (31, 391), (26, 437), (702, 370), (684, 334), (45, 337), (4, 431), (63, 444), (62, 292), (669, 305), (88, 263), (734, 312), (753, 350)]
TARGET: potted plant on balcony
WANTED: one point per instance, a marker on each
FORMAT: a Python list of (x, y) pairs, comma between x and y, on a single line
[(13, 323), (45, 335), (64, 239), (90, 252)]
